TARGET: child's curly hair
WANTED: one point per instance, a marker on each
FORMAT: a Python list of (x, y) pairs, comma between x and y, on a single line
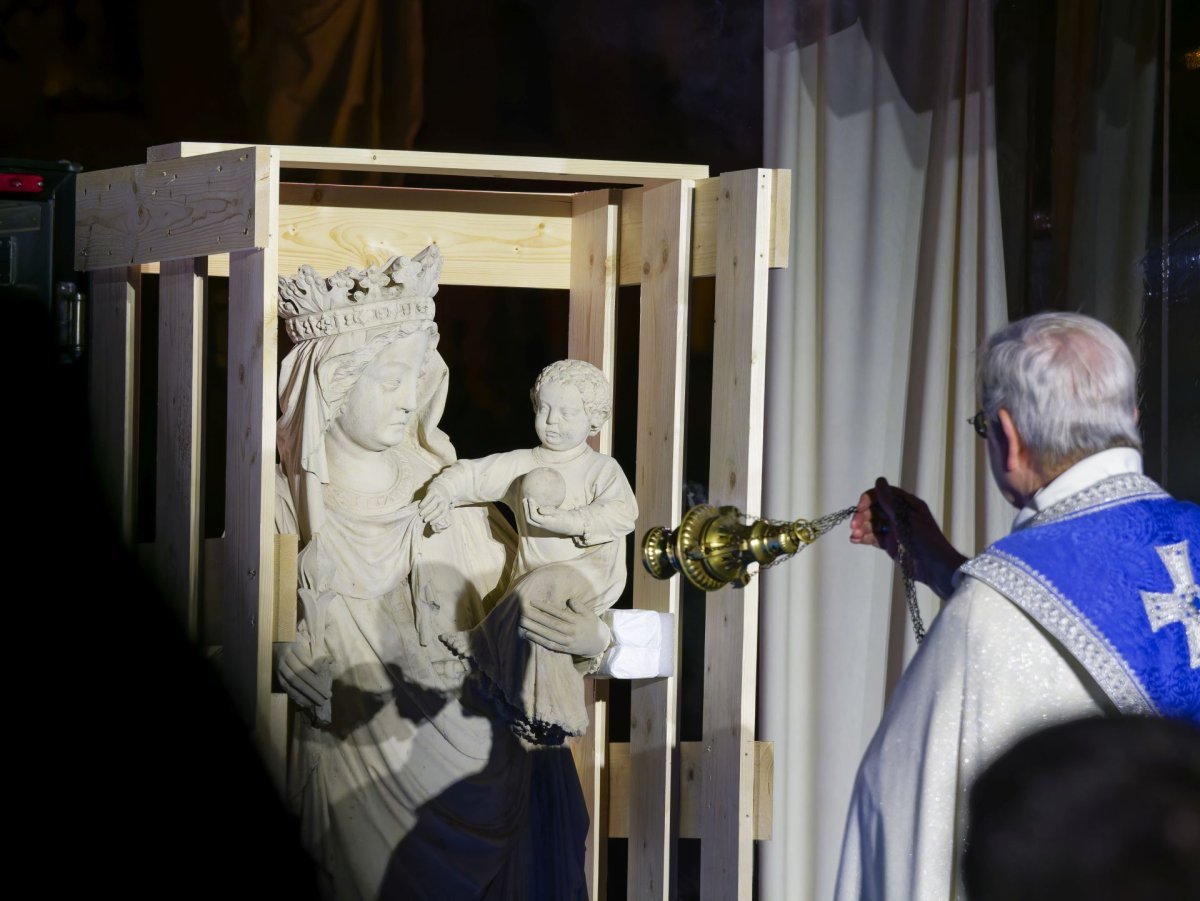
[(589, 381)]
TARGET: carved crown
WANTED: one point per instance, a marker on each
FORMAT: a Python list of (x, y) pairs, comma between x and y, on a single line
[(398, 290)]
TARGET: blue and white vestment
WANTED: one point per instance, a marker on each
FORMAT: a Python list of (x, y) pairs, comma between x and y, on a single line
[(1082, 609)]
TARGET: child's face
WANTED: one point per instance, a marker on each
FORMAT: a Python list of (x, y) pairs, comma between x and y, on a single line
[(560, 419)]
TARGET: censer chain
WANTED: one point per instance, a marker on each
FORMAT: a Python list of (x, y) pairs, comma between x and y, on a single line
[(818, 526), (904, 559), (823, 524)]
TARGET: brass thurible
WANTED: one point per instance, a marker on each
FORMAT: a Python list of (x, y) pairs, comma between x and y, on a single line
[(715, 546)]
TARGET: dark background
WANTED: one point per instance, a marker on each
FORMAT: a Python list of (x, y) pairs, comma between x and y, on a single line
[(677, 81)]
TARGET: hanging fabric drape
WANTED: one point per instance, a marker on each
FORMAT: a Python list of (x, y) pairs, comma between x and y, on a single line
[(1110, 170), (884, 114)]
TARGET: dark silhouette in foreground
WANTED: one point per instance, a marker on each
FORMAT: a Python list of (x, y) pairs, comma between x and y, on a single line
[(1106, 809)]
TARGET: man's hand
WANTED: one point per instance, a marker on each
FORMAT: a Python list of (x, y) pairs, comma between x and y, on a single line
[(877, 522), (575, 630), (434, 508), (307, 680), (555, 519)]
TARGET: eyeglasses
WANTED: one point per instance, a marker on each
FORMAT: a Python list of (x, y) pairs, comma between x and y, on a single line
[(979, 422)]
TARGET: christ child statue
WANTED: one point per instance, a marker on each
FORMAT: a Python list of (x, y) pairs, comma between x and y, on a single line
[(573, 507)]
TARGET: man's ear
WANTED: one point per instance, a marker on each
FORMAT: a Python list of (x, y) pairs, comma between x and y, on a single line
[(594, 427), (1013, 447)]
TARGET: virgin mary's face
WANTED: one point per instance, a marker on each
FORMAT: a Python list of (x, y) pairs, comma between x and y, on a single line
[(384, 398)]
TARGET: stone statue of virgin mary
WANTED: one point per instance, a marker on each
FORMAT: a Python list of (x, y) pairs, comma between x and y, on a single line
[(406, 786)]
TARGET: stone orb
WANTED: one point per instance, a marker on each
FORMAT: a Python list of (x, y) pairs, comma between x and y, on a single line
[(544, 486)]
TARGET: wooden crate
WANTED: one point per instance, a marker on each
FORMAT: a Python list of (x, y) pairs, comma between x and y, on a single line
[(196, 211)]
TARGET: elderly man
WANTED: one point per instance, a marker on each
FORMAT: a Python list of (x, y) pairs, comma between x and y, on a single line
[(1089, 606)]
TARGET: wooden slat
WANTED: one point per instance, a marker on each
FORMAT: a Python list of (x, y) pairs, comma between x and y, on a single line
[(735, 477), (591, 336), (704, 230), (764, 790), (112, 388), (287, 547), (666, 244), (249, 558), (179, 510), (780, 243), (517, 240), (167, 211), (453, 164), (286, 577), (691, 762), (487, 238), (592, 323)]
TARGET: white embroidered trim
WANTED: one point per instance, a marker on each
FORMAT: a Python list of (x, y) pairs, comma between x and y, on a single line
[(1114, 490)]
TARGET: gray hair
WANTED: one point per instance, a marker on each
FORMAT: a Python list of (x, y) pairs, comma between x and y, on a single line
[(1068, 382), (590, 382)]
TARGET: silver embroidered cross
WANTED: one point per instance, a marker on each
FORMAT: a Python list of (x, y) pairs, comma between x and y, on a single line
[(1180, 605)]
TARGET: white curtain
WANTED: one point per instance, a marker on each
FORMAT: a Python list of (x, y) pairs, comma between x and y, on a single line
[(884, 113)]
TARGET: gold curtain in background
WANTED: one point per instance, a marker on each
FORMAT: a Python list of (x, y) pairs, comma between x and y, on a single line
[(340, 73)]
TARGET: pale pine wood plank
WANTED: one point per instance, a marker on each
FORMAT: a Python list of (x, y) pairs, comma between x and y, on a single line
[(735, 477), (590, 753), (453, 164), (490, 238), (704, 235), (487, 238), (764, 790), (287, 548), (172, 210), (691, 762), (249, 585), (781, 217), (112, 388), (592, 322), (532, 205), (618, 789), (525, 248), (179, 508), (591, 336), (704, 230), (495, 242), (665, 245)]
